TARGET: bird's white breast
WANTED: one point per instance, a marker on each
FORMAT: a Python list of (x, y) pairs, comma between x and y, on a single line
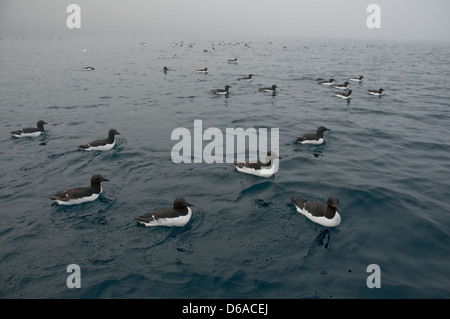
[(34, 134), (105, 147), (322, 220), (175, 221)]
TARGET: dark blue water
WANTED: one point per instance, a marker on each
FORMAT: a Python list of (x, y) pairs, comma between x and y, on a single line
[(386, 159)]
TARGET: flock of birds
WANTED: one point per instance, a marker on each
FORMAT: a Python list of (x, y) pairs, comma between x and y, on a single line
[(180, 214), (345, 93)]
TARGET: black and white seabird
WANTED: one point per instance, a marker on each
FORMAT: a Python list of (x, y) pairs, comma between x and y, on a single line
[(323, 214), (375, 92), (178, 215), (205, 70), (102, 145), (271, 89), (329, 82), (88, 68), (222, 91), (356, 79), (81, 194), (344, 95), (249, 78), (165, 69), (313, 138), (266, 169), (30, 131), (232, 60), (342, 86)]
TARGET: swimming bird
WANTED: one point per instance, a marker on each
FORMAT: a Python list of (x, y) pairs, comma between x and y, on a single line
[(81, 194), (343, 95), (356, 79), (375, 92), (329, 82), (323, 214), (102, 145), (342, 86), (222, 91), (178, 216), (205, 70), (165, 69), (249, 78), (313, 138), (232, 60), (30, 131), (266, 169), (88, 68), (271, 89)]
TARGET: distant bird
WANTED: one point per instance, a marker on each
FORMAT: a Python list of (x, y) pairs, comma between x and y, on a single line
[(329, 82), (165, 69), (375, 92), (249, 78), (88, 68), (343, 95), (222, 91), (102, 145), (232, 60), (205, 70), (342, 86), (81, 194), (323, 214), (356, 79), (30, 131), (178, 215), (266, 169), (270, 89), (313, 138)]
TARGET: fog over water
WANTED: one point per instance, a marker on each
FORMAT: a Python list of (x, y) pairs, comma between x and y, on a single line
[(400, 20)]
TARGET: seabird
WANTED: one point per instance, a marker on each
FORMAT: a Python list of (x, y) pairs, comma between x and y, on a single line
[(375, 92), (313, 138), (222, 91), (178, 215), (266, 169), (30, 131), (88, 68), (102, 145), (323, 214), (271, 89), (342, 86), (81, 194), (356, 79), (344, 95), (233, 60), (249, 78), (329, 82), (205, 70)]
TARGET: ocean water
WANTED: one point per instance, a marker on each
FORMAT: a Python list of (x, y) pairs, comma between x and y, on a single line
[(386, 159)]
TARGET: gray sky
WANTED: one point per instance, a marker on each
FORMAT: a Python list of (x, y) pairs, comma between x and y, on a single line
[(400, 19)]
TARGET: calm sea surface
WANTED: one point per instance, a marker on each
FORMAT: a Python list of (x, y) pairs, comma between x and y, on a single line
[(385, 158)]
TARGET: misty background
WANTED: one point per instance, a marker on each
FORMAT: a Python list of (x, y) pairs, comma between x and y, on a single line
[(409, 20)]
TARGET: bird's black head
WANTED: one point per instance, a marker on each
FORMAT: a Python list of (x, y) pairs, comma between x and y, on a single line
[(322, 129), (41, 123), (333, 202), (113, 132), (180, 203), (97, 179)]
